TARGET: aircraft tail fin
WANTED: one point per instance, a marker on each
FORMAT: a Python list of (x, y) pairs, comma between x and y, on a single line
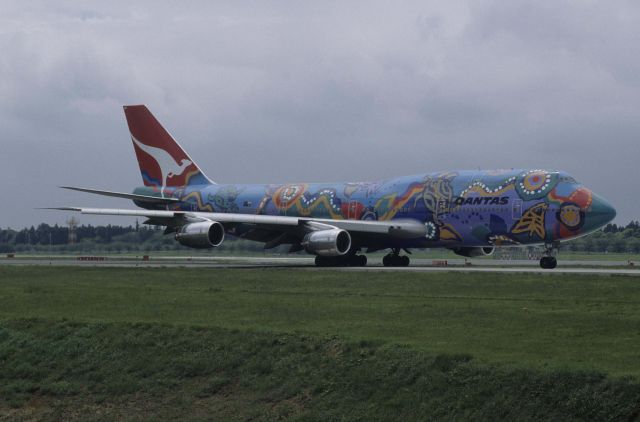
[(163, 162)]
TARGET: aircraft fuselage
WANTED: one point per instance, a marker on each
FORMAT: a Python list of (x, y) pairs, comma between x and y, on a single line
[(458, 208)]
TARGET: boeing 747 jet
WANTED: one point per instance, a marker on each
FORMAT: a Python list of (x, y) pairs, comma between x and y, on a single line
[(468, 212)]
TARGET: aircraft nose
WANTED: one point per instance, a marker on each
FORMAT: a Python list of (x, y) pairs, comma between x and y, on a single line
[(600, 213)]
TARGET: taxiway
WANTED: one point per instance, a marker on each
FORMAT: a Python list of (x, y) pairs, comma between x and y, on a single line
[(375, 264)]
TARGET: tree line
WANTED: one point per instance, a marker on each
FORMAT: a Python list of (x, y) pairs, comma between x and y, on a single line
[(109, 238), (113, 238), (612, 238)]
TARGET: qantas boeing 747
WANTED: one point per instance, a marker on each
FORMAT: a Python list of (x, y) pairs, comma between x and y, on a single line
[(468, 212)]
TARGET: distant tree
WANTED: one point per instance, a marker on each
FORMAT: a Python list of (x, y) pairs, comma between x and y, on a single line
[(634, 228), (32, 238), (6, 248), (618, 245), (21, 237), (140, 237), (602, 244), (634, 245), (589, 244), (575, 245)]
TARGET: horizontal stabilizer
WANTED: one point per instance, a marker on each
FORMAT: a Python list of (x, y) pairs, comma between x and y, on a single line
[(140, 198)]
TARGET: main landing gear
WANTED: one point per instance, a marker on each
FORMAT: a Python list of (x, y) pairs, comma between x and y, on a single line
[(548, 260), (394, 259), (341, 261)]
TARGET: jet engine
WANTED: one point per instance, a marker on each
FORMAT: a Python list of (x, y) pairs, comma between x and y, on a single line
[(472, 252), (329, 242), (203, 235)]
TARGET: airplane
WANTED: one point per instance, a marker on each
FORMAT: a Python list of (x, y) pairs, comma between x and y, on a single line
[(468, 212)]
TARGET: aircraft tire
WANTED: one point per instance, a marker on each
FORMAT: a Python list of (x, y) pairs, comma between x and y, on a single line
[(341, 261), (392, 260), (386, 260), (326, 261), (543, 262), (548, 262)]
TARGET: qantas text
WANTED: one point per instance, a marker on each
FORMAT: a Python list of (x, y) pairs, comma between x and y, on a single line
[(487, 200)]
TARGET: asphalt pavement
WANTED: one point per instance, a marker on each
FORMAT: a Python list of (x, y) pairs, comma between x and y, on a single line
[(375, 264)]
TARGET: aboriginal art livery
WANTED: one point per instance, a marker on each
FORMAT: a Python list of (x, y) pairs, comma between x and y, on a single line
[(469, 212)]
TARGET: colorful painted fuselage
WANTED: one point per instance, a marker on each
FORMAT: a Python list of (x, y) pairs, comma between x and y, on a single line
[(459, 208)]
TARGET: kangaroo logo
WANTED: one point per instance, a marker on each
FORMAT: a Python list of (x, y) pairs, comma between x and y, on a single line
[(169, 167)]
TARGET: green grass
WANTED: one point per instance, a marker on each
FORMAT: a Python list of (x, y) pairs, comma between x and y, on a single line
[(64, 370), (561, 321), (313, 344)]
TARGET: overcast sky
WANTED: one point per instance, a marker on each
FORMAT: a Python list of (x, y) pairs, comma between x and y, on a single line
[(271, 92)]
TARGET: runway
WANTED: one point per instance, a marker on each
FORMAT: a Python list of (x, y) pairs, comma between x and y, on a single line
[(307, 263)]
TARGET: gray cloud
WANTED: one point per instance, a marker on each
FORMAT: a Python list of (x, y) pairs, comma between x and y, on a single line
[(286, 91)]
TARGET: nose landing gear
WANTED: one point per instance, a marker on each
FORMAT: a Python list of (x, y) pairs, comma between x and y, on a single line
[(548, 260)]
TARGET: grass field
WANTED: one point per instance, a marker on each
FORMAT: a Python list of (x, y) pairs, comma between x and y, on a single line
[(557, 341)]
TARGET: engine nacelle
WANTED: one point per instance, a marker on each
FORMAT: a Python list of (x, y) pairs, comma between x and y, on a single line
[(472, 252), (330, 242), (203, 235)]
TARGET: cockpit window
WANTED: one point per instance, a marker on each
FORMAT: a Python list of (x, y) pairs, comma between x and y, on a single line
[(568, 179)]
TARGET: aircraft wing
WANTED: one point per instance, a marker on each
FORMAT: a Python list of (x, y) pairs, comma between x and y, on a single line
[(405, 229)]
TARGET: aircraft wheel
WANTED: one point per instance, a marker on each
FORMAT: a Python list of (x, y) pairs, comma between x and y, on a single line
[(386, 261), (392, 260), (362, 260), (326, 261), (543, 262), (548, 262), (552, 263), (341, 261)]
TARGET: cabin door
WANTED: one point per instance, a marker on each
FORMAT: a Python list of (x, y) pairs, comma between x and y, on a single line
[(443, 209), (281, 204), (352, 210), (282, 210), (516, 209)]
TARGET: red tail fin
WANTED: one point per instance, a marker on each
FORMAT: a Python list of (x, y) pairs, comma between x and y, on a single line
[(162, 161)]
